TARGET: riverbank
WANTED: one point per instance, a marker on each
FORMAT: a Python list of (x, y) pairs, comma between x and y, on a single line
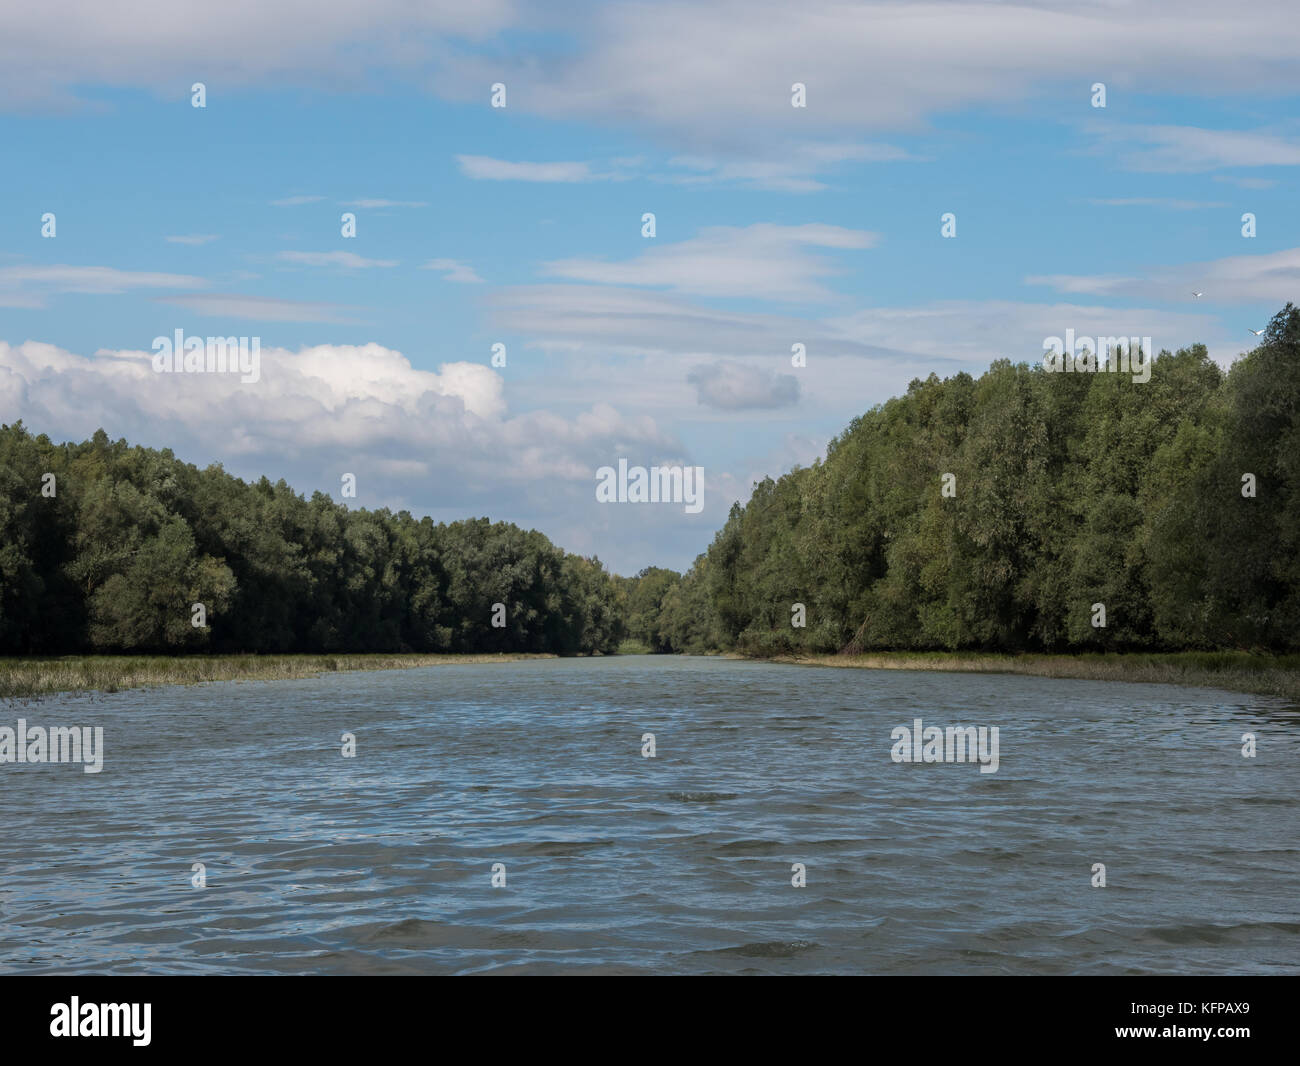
[(27, 678), (1262, 675)]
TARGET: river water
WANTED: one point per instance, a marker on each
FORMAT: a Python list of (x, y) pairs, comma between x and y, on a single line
[(679, 863)]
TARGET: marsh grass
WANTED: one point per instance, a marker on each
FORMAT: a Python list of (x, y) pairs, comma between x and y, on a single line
[(27, 678), (1264, 675)]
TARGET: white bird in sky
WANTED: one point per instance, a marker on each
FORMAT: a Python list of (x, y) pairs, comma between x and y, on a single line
[(1257, 332)]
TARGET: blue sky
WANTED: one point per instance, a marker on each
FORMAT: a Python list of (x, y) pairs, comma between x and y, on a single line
[(522, 225)]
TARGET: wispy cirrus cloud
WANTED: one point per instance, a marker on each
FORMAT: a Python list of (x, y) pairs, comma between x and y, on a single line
[(453, 270), (30, 285), (346, 260), (761, 261), (259, 308), (296, 201), (792, 167), (1246, 183), (1273, 277), (373, 204), (1166, 202), (192, 238), (785, 167), (485, 168), (1191, 149), (898, 342)]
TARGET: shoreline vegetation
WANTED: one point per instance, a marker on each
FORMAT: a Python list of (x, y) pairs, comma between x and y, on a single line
[(1254, 674), (37, 677), (1260, 675)]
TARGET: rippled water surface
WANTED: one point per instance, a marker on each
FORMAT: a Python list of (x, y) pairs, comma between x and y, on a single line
[(675, 864)]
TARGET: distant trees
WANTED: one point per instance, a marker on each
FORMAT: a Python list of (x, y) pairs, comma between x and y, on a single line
[(994, 513), (644, 606), (112, 552), (1067, 490)]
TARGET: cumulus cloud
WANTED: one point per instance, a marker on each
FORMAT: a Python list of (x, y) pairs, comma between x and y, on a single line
[(731, 386), (442, 442)]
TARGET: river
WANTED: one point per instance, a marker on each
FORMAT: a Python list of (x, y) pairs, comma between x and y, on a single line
[(683, 862)]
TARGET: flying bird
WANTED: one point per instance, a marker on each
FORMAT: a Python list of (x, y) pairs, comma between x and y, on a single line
[(1257, 332), (1197, 295)]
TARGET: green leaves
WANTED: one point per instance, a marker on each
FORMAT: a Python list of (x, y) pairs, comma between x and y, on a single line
[(1070, 490), (133, 539)]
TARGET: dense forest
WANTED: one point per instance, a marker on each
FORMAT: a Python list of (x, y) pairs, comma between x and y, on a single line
[(992, 513), (113, 552), (1068, 490)]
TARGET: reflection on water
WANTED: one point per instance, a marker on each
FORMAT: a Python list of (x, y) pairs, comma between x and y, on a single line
[(679, 863)]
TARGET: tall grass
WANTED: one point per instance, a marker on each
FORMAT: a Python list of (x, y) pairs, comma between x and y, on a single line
[(25, 678), (1264, 675)]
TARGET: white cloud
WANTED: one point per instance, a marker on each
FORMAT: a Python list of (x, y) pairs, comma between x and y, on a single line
[(1246, 183), (453, 270), (762, 261), (732, 386), (785, 167), (371, 204), (890, 344), (194, 238), (1169, 203), (790, 167), (257, 308), (1190, 149), (720, 73), (348, 260), (442, 442), (484, 168), (152, 43), (1271, 278), (296, 201), (30, 286), (715, 75)]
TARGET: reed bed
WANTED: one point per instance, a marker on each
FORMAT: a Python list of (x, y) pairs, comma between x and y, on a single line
[(1264, 675), (33, 677)]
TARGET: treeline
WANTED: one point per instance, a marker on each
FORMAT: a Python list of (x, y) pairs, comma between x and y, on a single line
[(1011, 512), (1173, 504), (106, 547)]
